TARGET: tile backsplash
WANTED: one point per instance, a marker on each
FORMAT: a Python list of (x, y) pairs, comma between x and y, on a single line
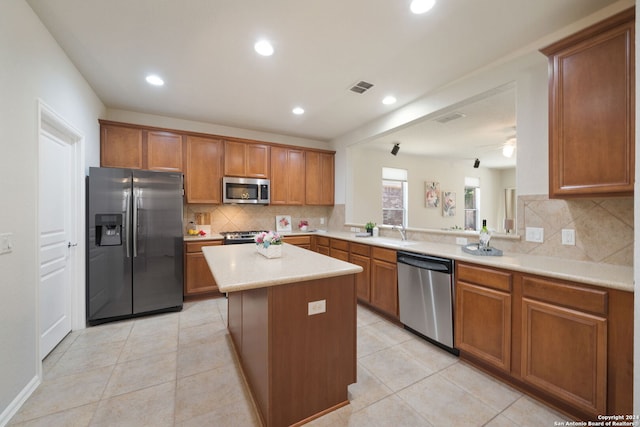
[(603, 227), (251, 217)]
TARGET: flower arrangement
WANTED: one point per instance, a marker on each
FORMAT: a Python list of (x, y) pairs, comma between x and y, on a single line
[(267, 238), (303, 224)]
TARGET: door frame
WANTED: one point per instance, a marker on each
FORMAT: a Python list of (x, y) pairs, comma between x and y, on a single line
[(52, 123)]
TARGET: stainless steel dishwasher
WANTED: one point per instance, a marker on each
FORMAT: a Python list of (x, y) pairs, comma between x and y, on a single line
[(426, 297)]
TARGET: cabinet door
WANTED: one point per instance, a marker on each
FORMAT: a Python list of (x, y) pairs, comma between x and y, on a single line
[(384, 286), (234, 158), (204, 170), (257, 161), (363, 282), (120, 147), (564, 352), (198, 277), (592, 110), (246, 159), (287, 176), (164, 151), (483, 324), (319, 172)]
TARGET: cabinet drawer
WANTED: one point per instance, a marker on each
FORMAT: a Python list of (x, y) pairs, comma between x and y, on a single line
[(484, 276), (576, 297), (343, 245), (192, 247), (360, 249), (298, 240), (322, 241), (388, 255)]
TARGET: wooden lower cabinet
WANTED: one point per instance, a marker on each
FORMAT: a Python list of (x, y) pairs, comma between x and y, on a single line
[(339, 249), (384, 281), (483, 314), (564, 352), (484, 324), (301, 241), (320, 244), (361, 255), (198, 280), (377, 284), (566, 343)]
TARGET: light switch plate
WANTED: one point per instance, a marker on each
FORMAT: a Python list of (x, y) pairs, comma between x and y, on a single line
[(568, 236), (317, 307), (6, 245), (534, 234)]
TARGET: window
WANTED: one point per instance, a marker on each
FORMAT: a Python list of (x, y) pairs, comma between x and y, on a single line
[(394, 196), (471, 203)]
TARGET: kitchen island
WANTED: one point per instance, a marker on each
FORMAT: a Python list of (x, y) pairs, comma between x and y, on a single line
[(292, 321)]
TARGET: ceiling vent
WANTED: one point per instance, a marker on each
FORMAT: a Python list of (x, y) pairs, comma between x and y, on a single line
[(449, 117), (361, 87)]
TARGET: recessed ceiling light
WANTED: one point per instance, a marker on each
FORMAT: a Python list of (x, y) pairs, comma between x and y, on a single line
[(152, 79), (264, 48), (388, 100), (298, 111), (422, 6)]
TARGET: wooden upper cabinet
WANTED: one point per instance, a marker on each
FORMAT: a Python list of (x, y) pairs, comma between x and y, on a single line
[(592, 110), (246, 159), (319, 185), (120, 147), (287, 176), (133, 147), (203, 170), (164, 151)]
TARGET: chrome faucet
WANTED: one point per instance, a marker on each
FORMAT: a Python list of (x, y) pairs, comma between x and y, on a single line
[(402, 230)]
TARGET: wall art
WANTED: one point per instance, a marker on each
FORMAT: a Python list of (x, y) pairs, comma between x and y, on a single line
[(431, 194), (448, 203)]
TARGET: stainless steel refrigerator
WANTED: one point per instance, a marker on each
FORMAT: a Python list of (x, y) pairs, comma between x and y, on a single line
[(134, 243)]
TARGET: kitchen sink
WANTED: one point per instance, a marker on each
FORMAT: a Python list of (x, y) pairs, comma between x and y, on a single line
[(391, 242)]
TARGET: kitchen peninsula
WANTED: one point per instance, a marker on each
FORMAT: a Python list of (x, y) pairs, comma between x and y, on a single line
[(292, 321)]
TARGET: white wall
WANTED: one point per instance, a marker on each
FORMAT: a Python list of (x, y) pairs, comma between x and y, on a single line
[(366, 175), (33, 67)]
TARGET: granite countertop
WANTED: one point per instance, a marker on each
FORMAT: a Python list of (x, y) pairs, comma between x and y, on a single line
[(591, 273), (241, 267)]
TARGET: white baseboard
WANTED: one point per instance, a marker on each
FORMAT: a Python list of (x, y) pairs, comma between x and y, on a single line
[(17, 403)]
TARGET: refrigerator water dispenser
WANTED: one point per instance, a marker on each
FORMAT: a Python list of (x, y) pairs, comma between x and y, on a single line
[(108, 229)]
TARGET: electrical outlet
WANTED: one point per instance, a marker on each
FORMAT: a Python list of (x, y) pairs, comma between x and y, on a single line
[(534, 234), (6, 245), (317, 307), (321, 220), (461, 241), (568, 236)]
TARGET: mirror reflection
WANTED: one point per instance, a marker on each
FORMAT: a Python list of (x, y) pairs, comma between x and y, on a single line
[(460, 165)]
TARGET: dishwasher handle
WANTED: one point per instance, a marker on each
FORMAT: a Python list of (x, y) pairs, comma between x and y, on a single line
[(425, 264)]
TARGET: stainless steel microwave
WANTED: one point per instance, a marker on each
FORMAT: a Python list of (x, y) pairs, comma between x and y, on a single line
[(245, 190)]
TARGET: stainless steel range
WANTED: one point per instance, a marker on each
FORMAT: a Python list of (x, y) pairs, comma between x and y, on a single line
[(238, 237)]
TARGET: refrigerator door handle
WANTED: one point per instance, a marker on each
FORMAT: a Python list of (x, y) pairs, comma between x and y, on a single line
[(135, 222), (127, 221)]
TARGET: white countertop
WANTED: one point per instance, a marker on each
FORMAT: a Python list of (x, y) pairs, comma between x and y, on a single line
[(592, 273), (241, 267)]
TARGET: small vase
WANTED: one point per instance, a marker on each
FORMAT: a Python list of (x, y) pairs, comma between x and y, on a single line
[(303, 228), (271, 251)]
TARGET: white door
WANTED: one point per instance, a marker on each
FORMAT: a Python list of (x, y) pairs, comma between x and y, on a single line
[(57, 236)]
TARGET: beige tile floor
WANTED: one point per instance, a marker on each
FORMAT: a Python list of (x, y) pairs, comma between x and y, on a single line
[(178, 369)]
